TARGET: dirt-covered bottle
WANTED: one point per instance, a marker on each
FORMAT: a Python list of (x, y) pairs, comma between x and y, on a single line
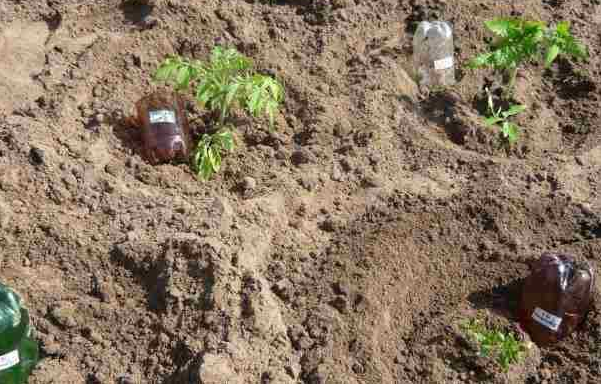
[(18, 351), (165, 130), (433, 54), (555, 297)]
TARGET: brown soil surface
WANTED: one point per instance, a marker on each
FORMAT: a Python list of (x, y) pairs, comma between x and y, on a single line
[(377, 218)]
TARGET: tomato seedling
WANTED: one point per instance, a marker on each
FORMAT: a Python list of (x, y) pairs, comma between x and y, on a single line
[(499, 118), (520, 40), (225, 82), (501, 346)]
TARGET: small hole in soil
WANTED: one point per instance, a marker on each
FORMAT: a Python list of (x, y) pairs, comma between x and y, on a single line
[(54, 21), (134, 11)]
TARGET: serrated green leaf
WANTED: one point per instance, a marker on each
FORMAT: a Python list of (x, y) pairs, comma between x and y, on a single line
[(226, 139), (162, 73), (510, 132), (210, 156), (216, 160), (513, 110), (276, 90), (232, 92), (221, 84), (551, 55), (563, 28), (499, 27), (480, 61), (206, 171), (183, 78), (489, 121), (204, 93), (254, 101)]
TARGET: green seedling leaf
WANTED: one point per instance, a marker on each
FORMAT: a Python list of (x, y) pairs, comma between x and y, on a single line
[(226, 139), (207, 155), (480, 61), (493, 343), (510, 132), (563, 28), (183, 78), (513, 110), (520, 41), (500, 27), (499, 118), (223, 83), (551, 55), (489, 121)]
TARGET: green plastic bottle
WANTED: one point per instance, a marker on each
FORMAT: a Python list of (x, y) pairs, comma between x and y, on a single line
[(18, 351)]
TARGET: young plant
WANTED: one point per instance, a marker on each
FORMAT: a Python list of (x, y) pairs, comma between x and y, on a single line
[(503, 347), (520, 40), (509, 131), (226, 82), (206, 158)]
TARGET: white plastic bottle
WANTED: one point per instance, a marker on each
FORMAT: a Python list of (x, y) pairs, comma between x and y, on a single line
[(433, 54)]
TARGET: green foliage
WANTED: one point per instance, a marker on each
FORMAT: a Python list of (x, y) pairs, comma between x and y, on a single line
[(223, 83), (206, 159), (520, 40), (499, 118), (501, 346)]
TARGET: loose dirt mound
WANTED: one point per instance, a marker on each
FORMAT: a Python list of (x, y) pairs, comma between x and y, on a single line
[(378, 220)]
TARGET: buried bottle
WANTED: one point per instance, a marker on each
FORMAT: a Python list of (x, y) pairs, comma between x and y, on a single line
[(433, 54), (165, 130), (18, 351), (555, 297)]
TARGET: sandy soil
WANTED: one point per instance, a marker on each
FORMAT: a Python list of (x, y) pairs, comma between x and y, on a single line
[(345, 247)]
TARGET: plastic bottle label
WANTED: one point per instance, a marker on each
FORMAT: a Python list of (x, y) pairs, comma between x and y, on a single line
[(546, 319), (9, 360), (445, 63), (162, 116)]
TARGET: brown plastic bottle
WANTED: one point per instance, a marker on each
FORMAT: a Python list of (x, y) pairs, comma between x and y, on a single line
[(165, 130), (555, 297)]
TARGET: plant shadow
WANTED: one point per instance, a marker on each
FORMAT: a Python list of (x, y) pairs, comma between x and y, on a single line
[(502, 300), (570, 83), (444, 109)]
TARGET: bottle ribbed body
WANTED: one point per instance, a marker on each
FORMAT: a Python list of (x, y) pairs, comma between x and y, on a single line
[(433, 54)]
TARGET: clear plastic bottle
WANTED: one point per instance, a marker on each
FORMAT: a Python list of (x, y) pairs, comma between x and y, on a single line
[(555, 297), (18, 351), (165, 130), (433, 52)]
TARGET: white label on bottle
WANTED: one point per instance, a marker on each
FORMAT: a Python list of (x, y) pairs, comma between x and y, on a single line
[(162, 116), (445, 63), (546, 319), (9, 360)]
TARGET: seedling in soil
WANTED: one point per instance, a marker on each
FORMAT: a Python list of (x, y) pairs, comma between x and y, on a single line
[(226, 82), (206, 158), (504, 347), (509, 131), (520, 40)]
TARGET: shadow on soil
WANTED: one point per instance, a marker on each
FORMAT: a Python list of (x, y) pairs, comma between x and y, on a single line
[(502, 300), (135, 12)]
